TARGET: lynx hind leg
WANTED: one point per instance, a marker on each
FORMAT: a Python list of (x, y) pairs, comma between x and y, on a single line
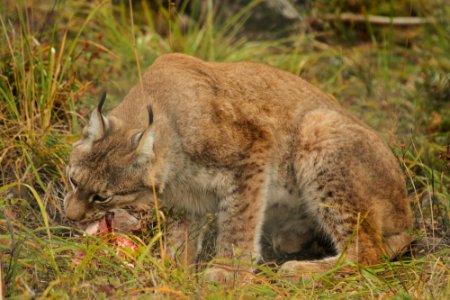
[(353, 185), (355, 245), (352, 237)]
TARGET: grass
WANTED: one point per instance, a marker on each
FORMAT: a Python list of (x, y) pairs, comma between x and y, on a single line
[(55, 57)]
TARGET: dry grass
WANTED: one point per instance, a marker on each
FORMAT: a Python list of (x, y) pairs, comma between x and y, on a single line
[(56, 56)]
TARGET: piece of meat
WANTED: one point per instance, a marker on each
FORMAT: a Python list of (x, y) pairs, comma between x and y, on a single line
[(92, 228), (109, 217), (125, 222), (99, 227), (117, 220)]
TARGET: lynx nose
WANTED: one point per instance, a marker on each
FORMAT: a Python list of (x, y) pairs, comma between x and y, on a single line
[(74, 210)]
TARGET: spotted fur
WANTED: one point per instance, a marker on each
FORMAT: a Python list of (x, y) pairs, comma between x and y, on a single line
[(280, 163)]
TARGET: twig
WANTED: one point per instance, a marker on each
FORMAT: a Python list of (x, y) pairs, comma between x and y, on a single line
[(380, 20)]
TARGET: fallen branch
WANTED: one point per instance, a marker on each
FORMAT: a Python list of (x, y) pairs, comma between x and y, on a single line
[(380, 20)]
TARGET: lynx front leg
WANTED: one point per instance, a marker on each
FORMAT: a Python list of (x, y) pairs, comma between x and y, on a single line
[(184, 238), (240, 220)]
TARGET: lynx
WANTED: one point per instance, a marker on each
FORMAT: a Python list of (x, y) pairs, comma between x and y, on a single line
[(282, 166)]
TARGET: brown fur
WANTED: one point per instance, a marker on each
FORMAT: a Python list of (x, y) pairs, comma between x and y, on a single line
[(250, 143)]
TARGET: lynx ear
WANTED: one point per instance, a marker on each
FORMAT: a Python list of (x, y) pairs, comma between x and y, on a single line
[(97, 123), (145, 143)]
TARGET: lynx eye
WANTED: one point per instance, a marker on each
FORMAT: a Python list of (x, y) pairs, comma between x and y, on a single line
[(73, 183), (96, 198)]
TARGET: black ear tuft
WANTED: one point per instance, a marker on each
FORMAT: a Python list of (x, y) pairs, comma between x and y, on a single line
[(99, 109), (101, 102), (150, 115)]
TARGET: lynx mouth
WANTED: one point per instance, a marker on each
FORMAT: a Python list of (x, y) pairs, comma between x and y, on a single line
[(116, 220)]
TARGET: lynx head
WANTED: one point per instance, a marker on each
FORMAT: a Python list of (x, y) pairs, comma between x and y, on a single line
[(108, 169)]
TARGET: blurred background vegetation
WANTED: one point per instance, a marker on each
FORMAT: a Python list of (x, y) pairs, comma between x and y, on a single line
[(387, 61)]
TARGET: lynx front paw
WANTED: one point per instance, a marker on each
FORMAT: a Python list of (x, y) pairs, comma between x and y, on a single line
[(304, 270), (295, 271), (220, 276), (226, 276)]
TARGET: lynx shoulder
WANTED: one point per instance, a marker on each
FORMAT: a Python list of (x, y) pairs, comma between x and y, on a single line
[(282, 165)]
